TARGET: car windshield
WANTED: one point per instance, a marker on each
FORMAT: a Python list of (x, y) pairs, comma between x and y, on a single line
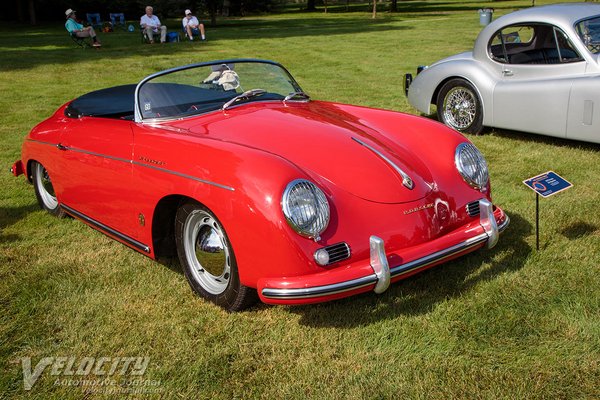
[(202, 88), (589, 32)]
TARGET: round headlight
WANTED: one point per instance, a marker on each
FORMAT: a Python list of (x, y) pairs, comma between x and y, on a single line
[(305, 208), (471, 165)]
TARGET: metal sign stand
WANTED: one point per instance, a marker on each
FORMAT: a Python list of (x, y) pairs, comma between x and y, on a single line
[(537, 221), (546, 184)]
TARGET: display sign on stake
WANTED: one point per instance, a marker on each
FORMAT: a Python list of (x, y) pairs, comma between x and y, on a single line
[(545, 185)]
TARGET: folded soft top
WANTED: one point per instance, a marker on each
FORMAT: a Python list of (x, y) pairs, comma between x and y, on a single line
[(116, 101)]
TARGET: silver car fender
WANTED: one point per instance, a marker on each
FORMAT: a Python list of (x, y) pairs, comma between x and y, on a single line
[(423, 90)]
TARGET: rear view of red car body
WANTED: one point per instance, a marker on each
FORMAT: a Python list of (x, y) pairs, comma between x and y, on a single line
[(263, 191)]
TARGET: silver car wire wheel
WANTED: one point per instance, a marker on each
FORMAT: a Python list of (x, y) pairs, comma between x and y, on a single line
[(460, 108), (207, 252), (45, 188)]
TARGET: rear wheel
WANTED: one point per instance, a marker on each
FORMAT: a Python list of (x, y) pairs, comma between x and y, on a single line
[(44, 191), (208, 260), (459, 106)]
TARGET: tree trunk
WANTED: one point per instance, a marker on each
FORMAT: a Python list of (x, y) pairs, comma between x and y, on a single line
[(32, 17), (212, 11), (394, 6), (311, 5), (374, 9), (19, 6)]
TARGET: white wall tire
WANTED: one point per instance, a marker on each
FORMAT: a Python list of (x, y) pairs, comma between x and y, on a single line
[(208, 259), (44, 190)]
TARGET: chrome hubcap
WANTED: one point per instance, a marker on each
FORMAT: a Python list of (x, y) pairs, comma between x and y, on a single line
[(460, 108), (206, 252), (45, 187)]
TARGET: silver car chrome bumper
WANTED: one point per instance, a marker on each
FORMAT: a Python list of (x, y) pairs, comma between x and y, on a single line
[(383, 274), (379, 263), (488, 222)]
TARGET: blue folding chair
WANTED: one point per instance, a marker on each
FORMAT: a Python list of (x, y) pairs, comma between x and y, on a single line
[(118, 20), (94, 20)]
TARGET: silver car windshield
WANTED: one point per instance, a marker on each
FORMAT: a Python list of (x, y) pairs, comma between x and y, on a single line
[(589, 32), (202, 88)]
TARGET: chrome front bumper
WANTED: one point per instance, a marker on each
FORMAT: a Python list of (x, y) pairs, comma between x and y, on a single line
[(383, 274)]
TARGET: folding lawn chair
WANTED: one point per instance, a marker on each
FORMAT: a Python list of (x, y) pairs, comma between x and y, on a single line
[(145, 38), (94, 20), (82, 42), (118, 20)]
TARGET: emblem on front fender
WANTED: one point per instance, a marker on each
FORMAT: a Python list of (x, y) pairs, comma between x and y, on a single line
[(151, 161), (420, 208)]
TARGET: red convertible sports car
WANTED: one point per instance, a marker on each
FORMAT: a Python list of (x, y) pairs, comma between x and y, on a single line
[(257, 188)]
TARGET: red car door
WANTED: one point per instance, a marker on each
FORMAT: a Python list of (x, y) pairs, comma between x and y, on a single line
[(96, 173)]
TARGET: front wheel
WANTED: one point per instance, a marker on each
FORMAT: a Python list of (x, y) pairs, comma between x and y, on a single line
[(459, 106), (44, 191), (208, 260)]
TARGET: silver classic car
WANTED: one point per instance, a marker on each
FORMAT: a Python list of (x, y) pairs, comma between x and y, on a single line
[(536, 70)]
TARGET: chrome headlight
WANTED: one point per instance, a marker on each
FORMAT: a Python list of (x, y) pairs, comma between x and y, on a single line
[(305, 208), (471, 165)]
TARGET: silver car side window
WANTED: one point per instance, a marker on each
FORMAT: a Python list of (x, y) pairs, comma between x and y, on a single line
[(540, 44)]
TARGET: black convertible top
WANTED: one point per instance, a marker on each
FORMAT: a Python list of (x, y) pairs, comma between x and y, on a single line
[(114, 102)]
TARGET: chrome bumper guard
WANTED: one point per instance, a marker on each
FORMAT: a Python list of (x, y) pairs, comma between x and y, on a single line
[(488, 222), (379, 263), (383, 274)]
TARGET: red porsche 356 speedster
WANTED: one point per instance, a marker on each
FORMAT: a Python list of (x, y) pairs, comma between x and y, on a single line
[(257, 188)]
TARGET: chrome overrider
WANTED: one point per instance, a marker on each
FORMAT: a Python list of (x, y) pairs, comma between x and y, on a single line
[(382, 273)]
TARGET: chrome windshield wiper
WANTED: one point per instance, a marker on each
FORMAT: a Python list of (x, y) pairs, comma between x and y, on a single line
[(244, 96), (297, 96)]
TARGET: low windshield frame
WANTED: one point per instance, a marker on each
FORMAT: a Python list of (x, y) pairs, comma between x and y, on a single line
[(142, 115), (590, 40)]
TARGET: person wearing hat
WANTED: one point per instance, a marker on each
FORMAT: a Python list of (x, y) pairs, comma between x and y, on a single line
[(191, 26), (75, 28), (151, 25)]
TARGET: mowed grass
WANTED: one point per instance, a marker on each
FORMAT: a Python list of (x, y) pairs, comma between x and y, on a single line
[(509, 323)]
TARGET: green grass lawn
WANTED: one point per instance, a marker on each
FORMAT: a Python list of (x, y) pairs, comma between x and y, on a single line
[(508, 323)]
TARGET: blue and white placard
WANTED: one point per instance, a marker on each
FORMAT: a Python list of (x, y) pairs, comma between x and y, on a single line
[(547, 184)]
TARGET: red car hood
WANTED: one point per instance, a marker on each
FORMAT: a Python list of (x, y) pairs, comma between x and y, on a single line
[(320, 139)]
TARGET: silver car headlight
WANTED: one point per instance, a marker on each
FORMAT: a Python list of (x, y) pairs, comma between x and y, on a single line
[(471, 165), (305, 208)]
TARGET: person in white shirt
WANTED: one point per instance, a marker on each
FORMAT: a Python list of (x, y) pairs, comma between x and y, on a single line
[(151, 25), (191, 26)]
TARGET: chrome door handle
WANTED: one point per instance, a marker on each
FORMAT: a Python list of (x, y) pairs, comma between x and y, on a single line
[(507, 72)]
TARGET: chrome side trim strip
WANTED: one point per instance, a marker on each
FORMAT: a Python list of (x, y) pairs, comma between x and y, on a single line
[(316, 291), (379, 263), (106, 229), (406, 180), (42, 142), (168, 171), (92, 153)]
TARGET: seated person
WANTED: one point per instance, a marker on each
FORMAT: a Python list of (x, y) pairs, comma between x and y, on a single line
[(75, 28), (191, 25), (151, 25)]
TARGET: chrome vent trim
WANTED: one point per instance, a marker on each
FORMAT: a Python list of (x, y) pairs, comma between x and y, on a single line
[(473, 208), (337, 252), (406, 180)]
